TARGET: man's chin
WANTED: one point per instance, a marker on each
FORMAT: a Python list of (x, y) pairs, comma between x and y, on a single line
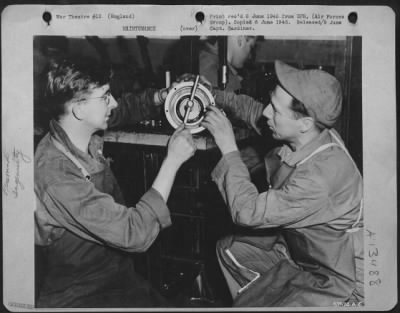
[(104, 126), (275, 136)]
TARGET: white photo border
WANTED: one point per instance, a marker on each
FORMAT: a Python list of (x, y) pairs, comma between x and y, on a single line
[(376, 26)]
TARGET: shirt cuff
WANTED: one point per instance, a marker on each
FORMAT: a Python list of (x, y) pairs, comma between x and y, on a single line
[(157, 204), (223, 165)]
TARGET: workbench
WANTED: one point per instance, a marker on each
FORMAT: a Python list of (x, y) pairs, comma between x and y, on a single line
[(159, 138)]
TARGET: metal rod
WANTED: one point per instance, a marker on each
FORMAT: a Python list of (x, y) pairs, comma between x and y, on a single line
[(223, 62), (190, 103)]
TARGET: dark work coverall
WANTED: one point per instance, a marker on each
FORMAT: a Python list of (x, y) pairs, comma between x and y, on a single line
[(314, 257), (85, 234)]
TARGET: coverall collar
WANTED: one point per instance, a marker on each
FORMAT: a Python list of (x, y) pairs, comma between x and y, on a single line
[(291, 157), (89, 161)]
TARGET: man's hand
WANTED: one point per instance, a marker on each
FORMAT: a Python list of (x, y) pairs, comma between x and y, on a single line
[(181, 146), (221, 128), (160, 96)]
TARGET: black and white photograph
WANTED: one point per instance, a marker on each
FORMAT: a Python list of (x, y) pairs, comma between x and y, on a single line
[(216, 164)]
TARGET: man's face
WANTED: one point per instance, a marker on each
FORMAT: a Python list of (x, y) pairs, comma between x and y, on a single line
[(281, 119), (97, 106), (241, 51)]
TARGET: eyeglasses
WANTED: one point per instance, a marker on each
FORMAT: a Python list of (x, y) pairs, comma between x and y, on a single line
[(106, 97)]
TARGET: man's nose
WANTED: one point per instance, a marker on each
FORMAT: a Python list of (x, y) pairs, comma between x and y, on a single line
[(113, 103), (268, 111)]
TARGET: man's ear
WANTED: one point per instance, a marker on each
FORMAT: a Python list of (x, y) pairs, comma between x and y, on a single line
[(307, 123), (76, 110)]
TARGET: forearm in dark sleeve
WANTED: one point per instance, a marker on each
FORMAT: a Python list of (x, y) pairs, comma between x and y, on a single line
[(304, 194), (95, 216), (245, 203), (242, 107), (133, 108)]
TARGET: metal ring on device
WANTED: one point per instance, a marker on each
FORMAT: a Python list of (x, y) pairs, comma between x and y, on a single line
[(176, 102)]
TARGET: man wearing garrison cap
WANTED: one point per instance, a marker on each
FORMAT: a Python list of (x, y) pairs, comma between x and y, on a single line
[(302, 239)]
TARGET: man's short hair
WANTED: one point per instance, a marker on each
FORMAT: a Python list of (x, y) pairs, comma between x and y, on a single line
[(300, 111), (298, 107), (67, 80)]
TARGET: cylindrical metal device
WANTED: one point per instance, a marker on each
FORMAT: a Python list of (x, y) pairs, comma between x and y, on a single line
[(176, 105)]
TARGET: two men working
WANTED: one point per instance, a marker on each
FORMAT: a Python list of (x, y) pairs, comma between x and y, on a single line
[(314, 201)]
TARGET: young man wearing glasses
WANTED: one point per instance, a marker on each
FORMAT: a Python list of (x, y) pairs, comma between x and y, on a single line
[(82, 228)]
